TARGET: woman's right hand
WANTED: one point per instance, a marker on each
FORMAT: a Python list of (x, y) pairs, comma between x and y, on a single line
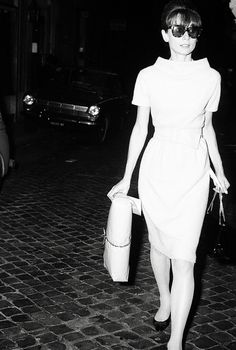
[(121, 187)]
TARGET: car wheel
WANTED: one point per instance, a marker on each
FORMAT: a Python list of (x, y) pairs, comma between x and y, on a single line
[(2, 167), (103, 131), (4, 152)]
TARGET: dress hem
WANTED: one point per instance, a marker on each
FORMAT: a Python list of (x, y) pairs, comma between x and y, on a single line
[(173, 257)]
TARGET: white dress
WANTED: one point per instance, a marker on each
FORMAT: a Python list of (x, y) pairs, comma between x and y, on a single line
[(174, 171)]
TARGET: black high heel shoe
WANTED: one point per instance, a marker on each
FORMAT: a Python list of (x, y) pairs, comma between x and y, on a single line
[(161, 325)]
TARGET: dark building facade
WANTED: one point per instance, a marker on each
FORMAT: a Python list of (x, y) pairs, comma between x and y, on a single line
[(110, 35)]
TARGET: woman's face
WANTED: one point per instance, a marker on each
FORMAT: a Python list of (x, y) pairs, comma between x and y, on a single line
[(180, 47)]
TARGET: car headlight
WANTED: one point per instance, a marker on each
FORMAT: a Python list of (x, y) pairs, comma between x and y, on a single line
[(29, 100), (94, 111)]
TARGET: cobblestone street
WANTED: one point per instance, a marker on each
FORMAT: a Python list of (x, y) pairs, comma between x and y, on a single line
[(54, 291)]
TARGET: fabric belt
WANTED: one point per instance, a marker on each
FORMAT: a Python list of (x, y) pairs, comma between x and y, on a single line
[(190, 137)]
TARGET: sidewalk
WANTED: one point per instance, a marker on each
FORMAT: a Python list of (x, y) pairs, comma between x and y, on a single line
[(55, 293)]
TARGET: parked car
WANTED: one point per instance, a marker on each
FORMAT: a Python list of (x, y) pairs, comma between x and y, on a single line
[(90, 99)]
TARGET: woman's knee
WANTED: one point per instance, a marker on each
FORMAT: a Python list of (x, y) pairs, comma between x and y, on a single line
[(182, 266)]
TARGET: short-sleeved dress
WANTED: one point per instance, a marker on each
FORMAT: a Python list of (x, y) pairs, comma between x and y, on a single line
[(174, 172)]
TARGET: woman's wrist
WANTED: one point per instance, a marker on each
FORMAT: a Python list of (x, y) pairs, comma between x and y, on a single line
[(127, 178), (219, 171), (218, 166)]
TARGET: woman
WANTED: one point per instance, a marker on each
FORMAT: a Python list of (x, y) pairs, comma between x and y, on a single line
[(181, 94)]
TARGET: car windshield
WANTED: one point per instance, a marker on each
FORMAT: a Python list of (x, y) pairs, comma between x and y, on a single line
[(91, 80), (105, 82)]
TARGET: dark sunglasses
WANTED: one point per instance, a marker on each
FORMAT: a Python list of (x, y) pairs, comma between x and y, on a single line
[(178, 30)]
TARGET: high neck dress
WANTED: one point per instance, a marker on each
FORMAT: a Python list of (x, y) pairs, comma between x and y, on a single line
[(174, 172)]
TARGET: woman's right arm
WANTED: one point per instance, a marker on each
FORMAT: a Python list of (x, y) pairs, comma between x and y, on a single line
[(137, 140)]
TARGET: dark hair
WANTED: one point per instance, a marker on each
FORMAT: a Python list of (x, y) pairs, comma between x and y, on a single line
[(184, 10)]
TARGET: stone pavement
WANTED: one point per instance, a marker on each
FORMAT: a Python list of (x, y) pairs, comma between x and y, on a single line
[(54, 291)]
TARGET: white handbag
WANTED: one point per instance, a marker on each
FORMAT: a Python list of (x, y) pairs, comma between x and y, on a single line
[(117, 237)]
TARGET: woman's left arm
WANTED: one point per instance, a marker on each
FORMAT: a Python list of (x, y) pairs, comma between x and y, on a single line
[(210, 137)]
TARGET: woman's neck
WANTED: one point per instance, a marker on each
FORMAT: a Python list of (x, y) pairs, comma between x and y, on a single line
[(180, 58)]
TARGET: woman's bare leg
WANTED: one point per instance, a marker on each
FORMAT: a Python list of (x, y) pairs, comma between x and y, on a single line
[(161, 268), (181, 300)]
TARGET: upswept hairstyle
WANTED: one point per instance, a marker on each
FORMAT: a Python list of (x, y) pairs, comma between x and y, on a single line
[(184, 10)]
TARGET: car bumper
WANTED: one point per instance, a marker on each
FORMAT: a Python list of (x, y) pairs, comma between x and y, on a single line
[(62, 119)]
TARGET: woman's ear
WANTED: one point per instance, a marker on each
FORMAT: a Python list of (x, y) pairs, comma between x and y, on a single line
[(165, 35)]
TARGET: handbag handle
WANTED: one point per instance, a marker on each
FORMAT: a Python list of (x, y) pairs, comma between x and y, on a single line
[(114, 245), (221, 207)]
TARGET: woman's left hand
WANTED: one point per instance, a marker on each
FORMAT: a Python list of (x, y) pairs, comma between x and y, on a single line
[(223, 183)]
